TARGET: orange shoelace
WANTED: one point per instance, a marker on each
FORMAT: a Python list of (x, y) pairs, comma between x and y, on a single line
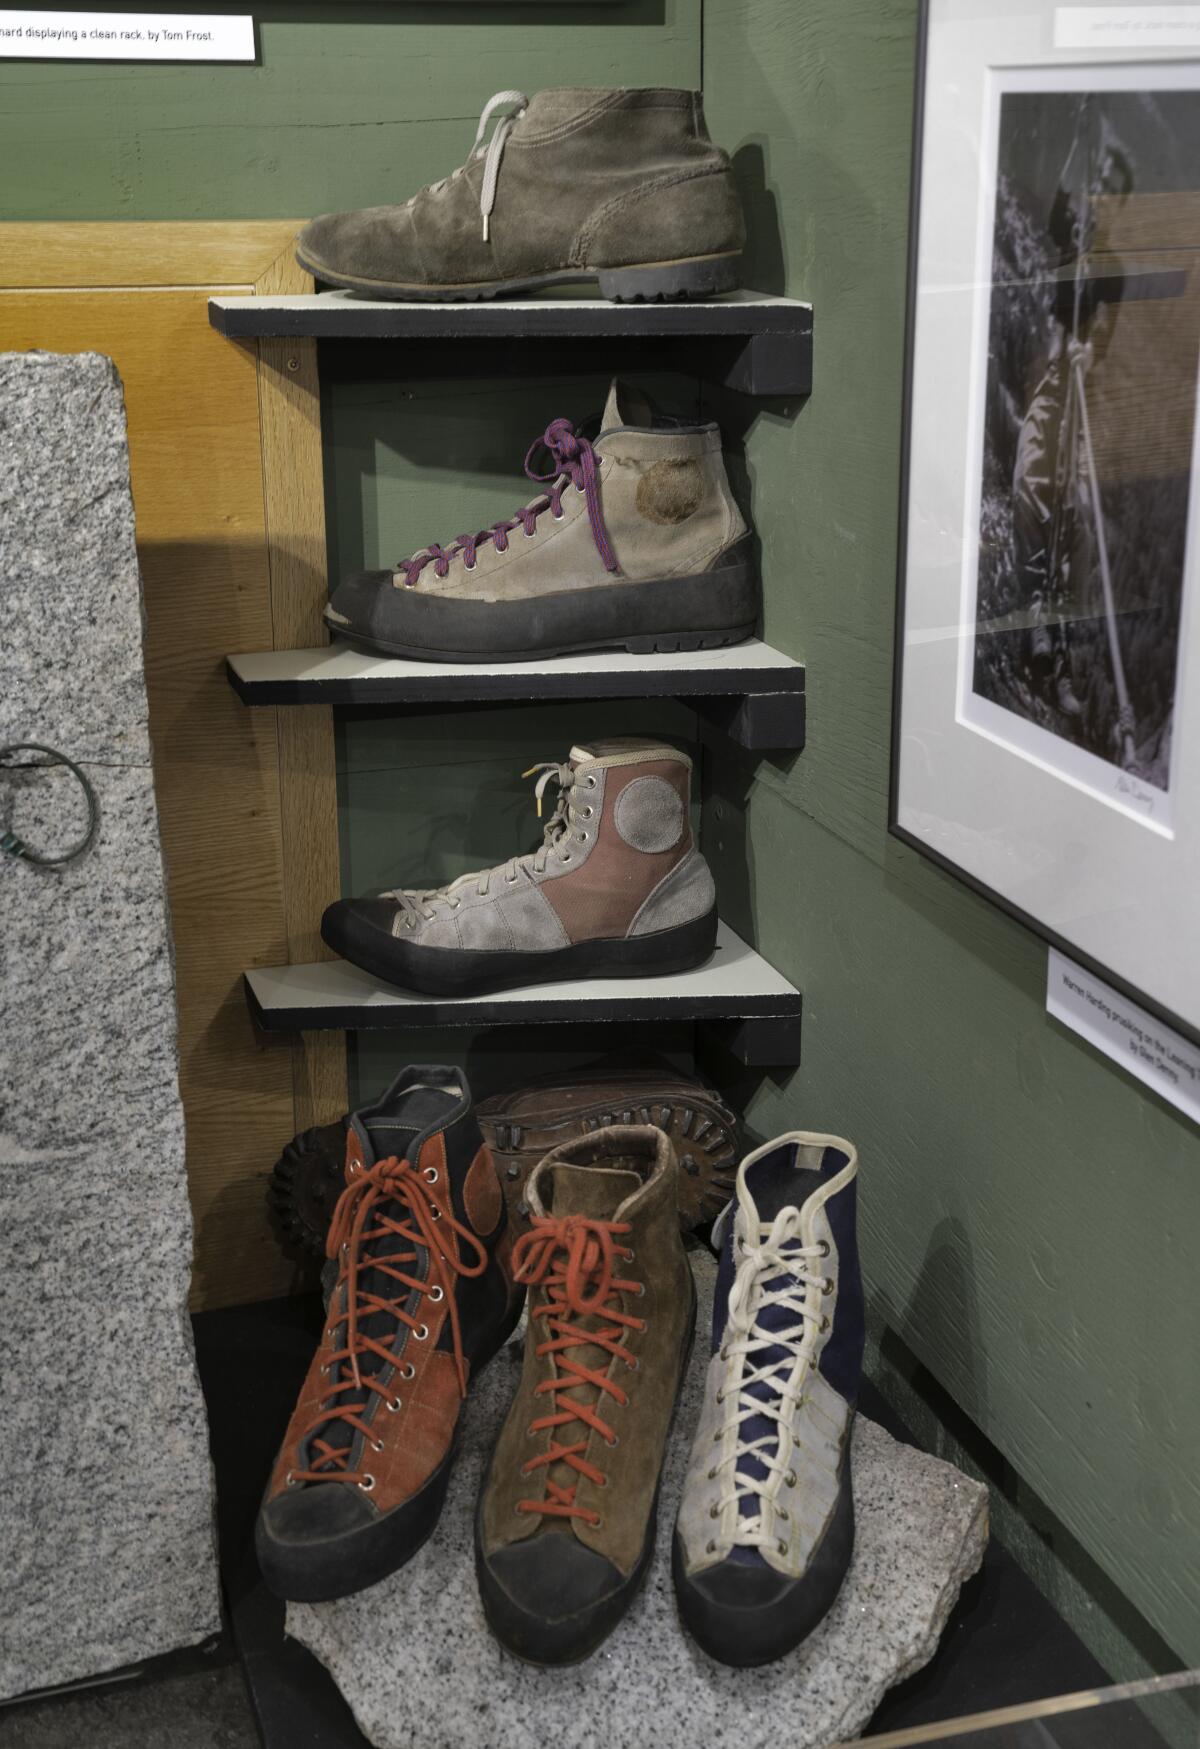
[(575, 1258), (368, 1197)]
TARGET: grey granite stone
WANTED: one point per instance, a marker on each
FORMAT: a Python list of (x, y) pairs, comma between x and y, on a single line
[(921, 1531), (106, 1520)]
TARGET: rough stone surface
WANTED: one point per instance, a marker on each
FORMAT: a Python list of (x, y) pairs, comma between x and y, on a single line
[(922, 1528), (106, 1519)]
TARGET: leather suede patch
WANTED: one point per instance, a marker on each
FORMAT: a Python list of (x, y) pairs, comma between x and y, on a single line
[(481, 1193), (671, 491)]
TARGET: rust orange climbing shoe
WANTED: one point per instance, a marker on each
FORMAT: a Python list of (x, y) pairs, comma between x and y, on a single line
[(424, 1298), (565, 1525)]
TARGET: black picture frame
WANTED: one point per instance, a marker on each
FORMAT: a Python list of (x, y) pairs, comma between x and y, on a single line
[(1051, 937)]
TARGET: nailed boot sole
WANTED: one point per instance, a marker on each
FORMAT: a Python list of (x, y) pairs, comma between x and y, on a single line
[(570, 1641), (466, 971), (695, 276), (704, 612), (701, 1127)]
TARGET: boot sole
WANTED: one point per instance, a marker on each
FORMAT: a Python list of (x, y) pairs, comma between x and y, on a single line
[(704, 612), (340, 1566), (604, 1617), (692, 276), (701, 1129), (466, 971)]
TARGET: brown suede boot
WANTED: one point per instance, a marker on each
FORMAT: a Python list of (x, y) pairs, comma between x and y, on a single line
[(623, 186), (565, 1526), (424, 1298), (525, 1124), (637, 544), (617, 890)]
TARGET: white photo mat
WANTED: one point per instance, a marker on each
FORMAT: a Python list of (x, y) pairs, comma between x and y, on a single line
[(1088, 853)]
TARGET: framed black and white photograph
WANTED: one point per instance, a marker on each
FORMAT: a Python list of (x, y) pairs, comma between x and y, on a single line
[(1047, 722)]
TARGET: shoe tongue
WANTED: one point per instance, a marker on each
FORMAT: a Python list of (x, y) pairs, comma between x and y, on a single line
[(625, 406), (596, 1192)]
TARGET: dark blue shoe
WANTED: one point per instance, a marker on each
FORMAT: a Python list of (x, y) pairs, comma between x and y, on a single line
[(766, 1524)]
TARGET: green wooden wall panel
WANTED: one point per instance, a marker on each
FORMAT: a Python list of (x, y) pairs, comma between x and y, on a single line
[(1029, 1213), (350, 106)]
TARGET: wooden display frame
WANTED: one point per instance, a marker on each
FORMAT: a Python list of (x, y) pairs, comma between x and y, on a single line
[(225, 450)]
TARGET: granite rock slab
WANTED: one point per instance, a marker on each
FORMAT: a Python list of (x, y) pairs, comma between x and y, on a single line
[(106, 1517), (921, 1532)]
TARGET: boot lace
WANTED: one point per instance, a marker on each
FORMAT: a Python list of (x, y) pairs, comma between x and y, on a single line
[(491, 154), (562, 829), (390, 1201), (575, 1258), (766, 1368), (574, 464)]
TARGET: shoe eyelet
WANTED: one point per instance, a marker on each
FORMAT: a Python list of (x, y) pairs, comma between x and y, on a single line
[(591, 780), (436, 1295), (289, 1481), (435, 1213), (531, 1431), (566, 857), (530, 533), (825, 1324), (510, 880), (588, 812), (393, 1404), (635, 1364), (430, 1174), (827, 1285), (714, 1512), (561, 517), (421, 1333), (720, 1396), (585, 838), (615, 1440), (377, 1445), (781, 1546), (408, 1371), (784, 1514), (823, 1248), (712, 1475), (367, 1483), (717, 1437), (711, 1548), (467, 567), (789, 1481)]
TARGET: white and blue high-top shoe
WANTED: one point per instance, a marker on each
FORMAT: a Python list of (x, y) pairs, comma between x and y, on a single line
[(766, 1523)]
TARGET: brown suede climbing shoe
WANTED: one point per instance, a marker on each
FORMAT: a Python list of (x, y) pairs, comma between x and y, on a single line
[(527, 1123), (424, 1298), (623, 186), (565, 1525), (636, 544), (617, 889)]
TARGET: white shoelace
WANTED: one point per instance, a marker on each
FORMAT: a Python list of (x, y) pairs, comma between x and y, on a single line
[(756, 1288), (561, 830), (491, 154)]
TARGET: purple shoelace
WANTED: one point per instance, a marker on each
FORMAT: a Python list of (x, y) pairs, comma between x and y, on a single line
[(574, 458)]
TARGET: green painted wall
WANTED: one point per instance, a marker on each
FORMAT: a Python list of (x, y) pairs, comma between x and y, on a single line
[(352, 104), (1030, 1214)]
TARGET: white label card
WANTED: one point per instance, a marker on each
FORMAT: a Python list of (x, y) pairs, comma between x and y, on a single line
[(125, 36), (1127, 27), (1146, 1047)]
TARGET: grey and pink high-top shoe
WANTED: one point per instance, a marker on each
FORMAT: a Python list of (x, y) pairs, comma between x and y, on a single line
[(766, 1524)]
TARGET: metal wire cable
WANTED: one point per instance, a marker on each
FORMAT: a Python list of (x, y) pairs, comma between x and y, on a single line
[(16, 846)]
